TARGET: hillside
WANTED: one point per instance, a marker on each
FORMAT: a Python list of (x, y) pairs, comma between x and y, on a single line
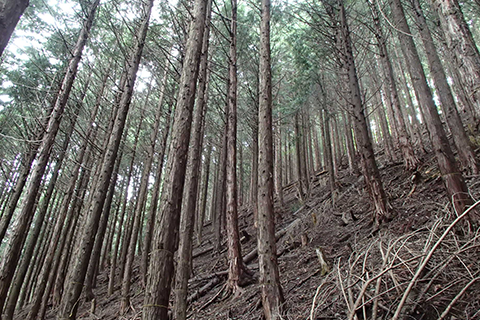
[(367, 268)]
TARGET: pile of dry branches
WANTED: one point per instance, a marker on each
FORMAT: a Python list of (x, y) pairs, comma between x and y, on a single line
[(431, 273)]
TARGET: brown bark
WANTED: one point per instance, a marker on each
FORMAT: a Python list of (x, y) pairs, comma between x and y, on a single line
[(131, 245), (219, 204), (24, 218), (272, 293), (447, 102), (299, 158), (161, 268), (362, 134), (69, 305), (409, 157), (236, 269), (153, 206), (453, 179), (10, 13), (39, 218), (203, 199), (278, 164), (461, 42)]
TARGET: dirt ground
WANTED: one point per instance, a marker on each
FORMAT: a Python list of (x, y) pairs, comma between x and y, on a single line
[(369, 269)]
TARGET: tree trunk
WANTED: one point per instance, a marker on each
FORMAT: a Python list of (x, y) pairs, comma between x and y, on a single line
[(299, 150), (219, 207), (39, 219), (278, 164), (410, 159), (447, 102), (461, 42), (10, 13), (364, 143), (236, 269), (190, 193), (69, 305), (454, 182), (161, 268), (153, 203), (272, 293), (203, 200), (24, 218)]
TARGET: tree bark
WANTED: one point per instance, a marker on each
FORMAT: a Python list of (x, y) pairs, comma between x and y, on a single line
[(364, 142), (24, 218), (461, 42), (69, 305), (447, 102), (161, 268), (190, 193), (454, 182), (10, 13), (272, 293), (154, 201)]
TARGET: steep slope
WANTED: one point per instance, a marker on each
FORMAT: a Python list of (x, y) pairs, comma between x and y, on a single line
[(369, 270)]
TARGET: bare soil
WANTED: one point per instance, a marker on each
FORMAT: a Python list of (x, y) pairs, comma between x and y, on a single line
[(369, 268)]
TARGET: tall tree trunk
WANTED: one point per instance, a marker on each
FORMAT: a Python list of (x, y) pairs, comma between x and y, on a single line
[(278, 164), (298, 152), (99, 239), (40, 217), (272, 293), (161, 268), (370, 169), (236, 268), (190, 193), (203, 200), (142, 197), (69, 305), (409, 157), (153, 203), (219, 208), (461, 42), (10, 13), (24, 218), (453, 179), (460, 138)]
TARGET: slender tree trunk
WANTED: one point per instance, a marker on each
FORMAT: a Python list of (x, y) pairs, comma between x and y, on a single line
[(461, 42), (39, 219), (69, 305), (409, 157), (190, 193), (220, 193), (10, 13), (460, 138), (272, 293), (161, 268), (203, 200), (453, 179), (278, 164), (24, 219), (364, 142), (298, 149), (154, 202), (93, 265), (328, 150), (236, 269)]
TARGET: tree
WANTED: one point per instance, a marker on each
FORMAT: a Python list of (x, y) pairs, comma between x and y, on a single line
[(161, 269), (69, 305), (447, 101), (453, 179), (272, 294), (10, 13), (25, 217), (461, 42)]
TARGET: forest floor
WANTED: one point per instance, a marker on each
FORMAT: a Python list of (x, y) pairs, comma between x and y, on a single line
[(369, 269)]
